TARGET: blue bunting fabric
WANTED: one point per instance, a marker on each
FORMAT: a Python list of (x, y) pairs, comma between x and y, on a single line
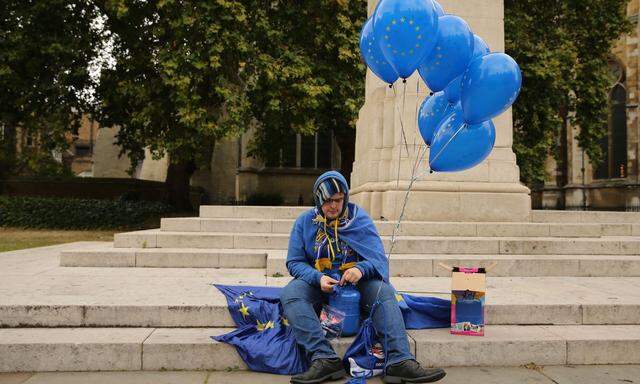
[(265, 341)]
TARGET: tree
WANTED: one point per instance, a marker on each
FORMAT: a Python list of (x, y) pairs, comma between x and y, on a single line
[(189, 73), (180, 81), (562, 48), (322, 64), (45, 51)]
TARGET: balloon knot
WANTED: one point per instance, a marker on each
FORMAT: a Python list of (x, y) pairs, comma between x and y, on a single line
[(431, 171), (404, 80), (390, 85), (430, 93)]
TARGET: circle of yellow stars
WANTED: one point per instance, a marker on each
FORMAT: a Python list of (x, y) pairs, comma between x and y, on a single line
[(403, 22)]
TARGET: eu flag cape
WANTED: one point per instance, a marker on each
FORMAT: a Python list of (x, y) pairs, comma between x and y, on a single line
[(358, 231), (265, 341)]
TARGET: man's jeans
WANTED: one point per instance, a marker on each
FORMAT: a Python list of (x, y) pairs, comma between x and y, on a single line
[(299, 300)]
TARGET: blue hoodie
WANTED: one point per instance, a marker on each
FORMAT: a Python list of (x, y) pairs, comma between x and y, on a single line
[(359, 233)]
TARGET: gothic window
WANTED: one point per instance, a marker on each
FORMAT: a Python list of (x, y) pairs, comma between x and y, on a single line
[(324, 150), (618, 131), (306, 151), (614, 144)]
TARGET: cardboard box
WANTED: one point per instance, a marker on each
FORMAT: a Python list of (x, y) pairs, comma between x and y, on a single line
[(468, 287)]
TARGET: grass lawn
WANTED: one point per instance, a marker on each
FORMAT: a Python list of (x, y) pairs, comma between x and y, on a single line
[(15, 238)]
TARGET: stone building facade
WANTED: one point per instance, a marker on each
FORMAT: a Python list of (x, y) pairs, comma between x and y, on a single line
[(614, 184), (78, 156), (233, 175)]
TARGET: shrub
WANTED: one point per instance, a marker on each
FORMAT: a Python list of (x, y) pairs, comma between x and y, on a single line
[(55, 213)]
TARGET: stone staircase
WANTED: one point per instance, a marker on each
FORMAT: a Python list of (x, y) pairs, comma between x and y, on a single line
[(565, 290)]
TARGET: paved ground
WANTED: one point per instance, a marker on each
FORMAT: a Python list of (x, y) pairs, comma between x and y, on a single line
[(590, 374), (34, 274)]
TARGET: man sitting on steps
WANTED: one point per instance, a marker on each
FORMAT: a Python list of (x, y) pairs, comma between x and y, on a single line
[(338, 238)]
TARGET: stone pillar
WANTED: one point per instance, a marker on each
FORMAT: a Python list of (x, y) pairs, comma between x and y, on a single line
[(491, 191)]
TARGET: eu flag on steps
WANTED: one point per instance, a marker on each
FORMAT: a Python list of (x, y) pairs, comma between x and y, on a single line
[(263, 338), (266, 343)]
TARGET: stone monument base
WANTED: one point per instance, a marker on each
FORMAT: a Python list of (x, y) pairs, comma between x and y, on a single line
[(445, 201)]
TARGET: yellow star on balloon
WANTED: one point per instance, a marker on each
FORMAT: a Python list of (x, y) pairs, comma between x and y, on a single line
[(285, 322)]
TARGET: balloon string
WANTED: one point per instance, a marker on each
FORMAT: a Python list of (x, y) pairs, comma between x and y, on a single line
[(404, 137), (396, 228), (417, 133), (404, 97), (420, 154), (448, 141)]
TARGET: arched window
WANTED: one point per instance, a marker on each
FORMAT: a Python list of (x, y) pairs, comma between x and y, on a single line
[(618, 137), (614, 144)]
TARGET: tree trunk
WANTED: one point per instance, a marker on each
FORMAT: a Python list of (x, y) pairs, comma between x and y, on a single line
[(8, 155), (178, 187), (347, 143)]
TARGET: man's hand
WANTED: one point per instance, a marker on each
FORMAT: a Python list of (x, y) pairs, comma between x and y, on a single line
[(351, 275), (327, 283)]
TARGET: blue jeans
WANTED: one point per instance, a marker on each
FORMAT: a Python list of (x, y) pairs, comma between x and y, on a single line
[(300, 301)]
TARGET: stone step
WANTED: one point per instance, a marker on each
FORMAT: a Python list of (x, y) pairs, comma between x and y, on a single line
[(612, 217), (160, 349), (400, 264), (411, 228), (251, 212), (421, 265), (611, 245), (108, 256), (153, 297), (537, 216), (549, 374)]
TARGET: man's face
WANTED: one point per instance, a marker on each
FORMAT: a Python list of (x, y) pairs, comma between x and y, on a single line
[(333, 206)]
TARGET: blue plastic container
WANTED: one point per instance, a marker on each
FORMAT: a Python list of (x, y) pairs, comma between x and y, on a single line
[(346, 299)]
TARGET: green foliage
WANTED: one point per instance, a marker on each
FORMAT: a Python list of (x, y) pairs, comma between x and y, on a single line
[(181, 76), (40, 164), (562, 48), (45, 51), (37, 212), (315, 77), (188, 73), (268, 199)]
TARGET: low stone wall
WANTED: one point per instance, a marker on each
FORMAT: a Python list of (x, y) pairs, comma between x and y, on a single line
[(609, 196)]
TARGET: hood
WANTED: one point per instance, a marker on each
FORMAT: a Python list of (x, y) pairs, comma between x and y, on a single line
[(342, 184)]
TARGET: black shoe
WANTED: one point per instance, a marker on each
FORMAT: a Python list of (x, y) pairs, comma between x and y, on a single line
[(321, 370), (410, 371)]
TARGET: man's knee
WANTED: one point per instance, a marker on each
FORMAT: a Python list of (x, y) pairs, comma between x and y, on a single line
[(296, 290), (378, 290)]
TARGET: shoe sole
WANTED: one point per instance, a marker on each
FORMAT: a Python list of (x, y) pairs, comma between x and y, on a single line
[(423, 379), (331, 376)]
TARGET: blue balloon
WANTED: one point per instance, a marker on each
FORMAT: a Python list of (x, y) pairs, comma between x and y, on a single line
[(458, 145), (439, 9), (372, 55), (432, 110), (406, 31), (453, 90), (451, 55), (480, 48), (490, 85)]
